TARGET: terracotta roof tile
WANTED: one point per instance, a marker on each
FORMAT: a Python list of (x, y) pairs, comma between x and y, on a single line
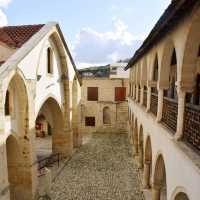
[(16, 36)]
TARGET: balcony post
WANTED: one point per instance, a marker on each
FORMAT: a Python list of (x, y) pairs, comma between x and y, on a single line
[(181, 110), (160, 105)]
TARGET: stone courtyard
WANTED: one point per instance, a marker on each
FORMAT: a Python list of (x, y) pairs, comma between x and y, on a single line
[(102, 169)]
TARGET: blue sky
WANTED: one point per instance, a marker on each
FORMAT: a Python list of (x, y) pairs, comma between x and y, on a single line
[(97, 31)]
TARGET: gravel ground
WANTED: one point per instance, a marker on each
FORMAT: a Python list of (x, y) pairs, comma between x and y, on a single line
[(102, 169)]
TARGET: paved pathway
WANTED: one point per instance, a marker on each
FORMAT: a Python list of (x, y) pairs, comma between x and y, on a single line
[(102, 169)]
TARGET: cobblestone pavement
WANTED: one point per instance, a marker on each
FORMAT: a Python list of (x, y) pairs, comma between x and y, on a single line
[(102, 169)]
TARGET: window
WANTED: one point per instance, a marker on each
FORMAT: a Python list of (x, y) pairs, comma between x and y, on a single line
[(120, 94), (7, 104), (92, 93), (49, 61), (90, 121)]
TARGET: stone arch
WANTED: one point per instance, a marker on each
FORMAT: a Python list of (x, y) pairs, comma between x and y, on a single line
[(159, 191), (154, 76), (50, 114), (168, 70), (191, 52), (14, 160), (75, 120), (56, 40), (18, 103), (141, 147), (106, 115), (180, 193), (147, 163), (19, 143), (181, 196)]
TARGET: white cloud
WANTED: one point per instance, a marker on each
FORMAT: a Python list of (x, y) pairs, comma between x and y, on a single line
[(105, 47), (3, 17), (4, 3)]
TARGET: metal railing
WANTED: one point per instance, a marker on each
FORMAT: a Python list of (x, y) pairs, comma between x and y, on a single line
[(48, 161)]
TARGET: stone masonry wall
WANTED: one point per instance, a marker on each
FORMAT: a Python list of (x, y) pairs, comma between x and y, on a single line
[(106, 94)]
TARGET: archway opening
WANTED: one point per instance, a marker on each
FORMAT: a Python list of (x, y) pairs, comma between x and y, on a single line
[(13, 164), (141, 150), (49, 127), (135, 138), (159, 181), (172, 75), (181, 196), (147, 164), (17, 127), (106, 116), (190, 71)]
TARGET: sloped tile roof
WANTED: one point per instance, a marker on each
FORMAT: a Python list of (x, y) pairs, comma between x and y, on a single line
[(16, 36), (175, 12)]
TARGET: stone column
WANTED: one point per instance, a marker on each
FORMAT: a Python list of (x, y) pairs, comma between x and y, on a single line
[(160, 104), (180, 117), (67, 137), (155, 192), (146, 175), (148, 98)]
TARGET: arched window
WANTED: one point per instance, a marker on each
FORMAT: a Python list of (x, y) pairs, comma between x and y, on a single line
[(7, 106), (49, 61), (155, 73), (106, 115)]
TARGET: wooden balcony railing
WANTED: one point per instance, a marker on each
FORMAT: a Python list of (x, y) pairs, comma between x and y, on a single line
[(154, 103), (191, 132), (145, 98), (169, 113)]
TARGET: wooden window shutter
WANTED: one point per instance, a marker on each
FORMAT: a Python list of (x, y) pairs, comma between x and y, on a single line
[(89, 121), (92, 93), (120, 94)]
